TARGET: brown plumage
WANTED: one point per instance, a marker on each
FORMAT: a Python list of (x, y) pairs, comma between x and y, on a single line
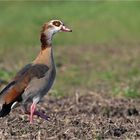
[(33, 81)]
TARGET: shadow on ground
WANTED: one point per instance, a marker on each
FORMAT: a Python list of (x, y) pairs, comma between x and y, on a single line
[(89, 116)]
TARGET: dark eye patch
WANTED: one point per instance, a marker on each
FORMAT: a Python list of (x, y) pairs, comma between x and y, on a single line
[(56, 23)]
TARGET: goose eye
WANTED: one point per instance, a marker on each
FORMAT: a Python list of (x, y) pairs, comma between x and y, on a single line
[(56, 23)]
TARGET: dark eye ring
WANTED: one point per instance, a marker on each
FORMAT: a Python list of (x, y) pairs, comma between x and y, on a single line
[(56, 23)]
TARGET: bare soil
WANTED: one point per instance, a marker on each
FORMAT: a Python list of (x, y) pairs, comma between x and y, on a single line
[(79, 117)]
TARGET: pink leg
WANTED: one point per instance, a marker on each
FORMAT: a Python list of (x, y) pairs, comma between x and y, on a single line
[(32, 110)]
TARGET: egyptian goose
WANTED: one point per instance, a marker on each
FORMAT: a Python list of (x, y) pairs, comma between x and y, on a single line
[(33, 81)]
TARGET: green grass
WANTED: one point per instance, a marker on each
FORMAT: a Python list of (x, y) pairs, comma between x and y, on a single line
[(92, 22), (101, 54)]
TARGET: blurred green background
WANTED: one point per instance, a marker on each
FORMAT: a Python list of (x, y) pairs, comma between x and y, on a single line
[(101, 54)]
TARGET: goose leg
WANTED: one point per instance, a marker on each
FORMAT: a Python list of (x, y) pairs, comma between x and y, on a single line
[(32, 110), (41, 115)]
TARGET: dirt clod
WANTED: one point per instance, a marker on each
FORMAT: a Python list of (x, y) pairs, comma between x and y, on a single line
[(119, 131), (132, 111)]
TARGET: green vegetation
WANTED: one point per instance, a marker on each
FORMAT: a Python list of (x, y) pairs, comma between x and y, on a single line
[(101, 54)]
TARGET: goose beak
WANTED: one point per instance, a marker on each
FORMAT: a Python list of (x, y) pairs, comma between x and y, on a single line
[(65, 29)]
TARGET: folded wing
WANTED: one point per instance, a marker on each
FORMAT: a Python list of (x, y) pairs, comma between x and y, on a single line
[(13, 91)]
